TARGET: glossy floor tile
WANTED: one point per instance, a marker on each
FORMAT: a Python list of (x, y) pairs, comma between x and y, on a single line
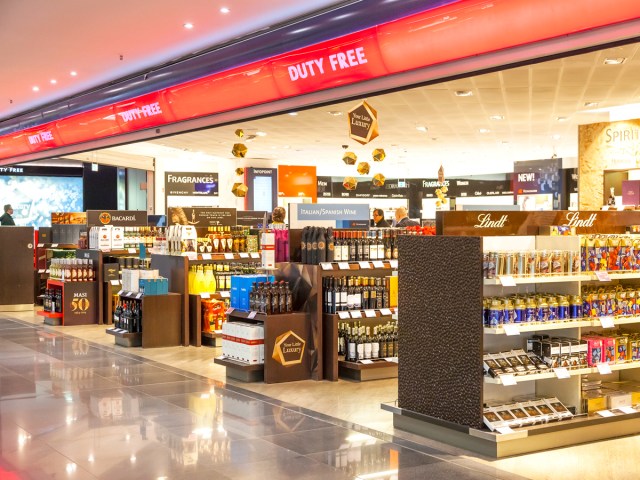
[(74, 409)]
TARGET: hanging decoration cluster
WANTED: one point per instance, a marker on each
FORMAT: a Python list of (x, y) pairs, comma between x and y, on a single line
[(239, 150)]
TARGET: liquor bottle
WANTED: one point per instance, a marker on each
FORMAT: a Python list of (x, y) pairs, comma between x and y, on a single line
[(315, 241), (343, 295), (360, 345), (367, 345), (275, 299), (373, 294), (394, 245), (387, 246), (333, 297), (322, 245), (352, 247), (252, 298), (350, 293), (379, 293), (373, 246), (359, 247), (395, 341), (330, 245), (345, 247), (380, 245), (375, 344), (384, 346), (288, 298), (385, 293), (365, 293), (337, 246), (267, 298), (357, 295), (282, 297), (352, 350), (116, 314)]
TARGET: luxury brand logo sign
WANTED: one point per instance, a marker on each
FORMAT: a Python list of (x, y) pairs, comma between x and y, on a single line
[(289, 349), (573, 220), (485, 221)]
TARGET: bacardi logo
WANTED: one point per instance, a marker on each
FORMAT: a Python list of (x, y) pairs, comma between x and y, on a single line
[(105, 218), (289, 349), (485, 221), (574, 220)]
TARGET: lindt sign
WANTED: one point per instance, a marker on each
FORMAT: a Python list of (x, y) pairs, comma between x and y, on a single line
[(485, 221), (574, 220)]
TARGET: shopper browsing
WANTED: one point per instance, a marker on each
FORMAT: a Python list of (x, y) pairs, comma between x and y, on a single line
[(378, 219), (278, 215), (403, 220), (7, 219)]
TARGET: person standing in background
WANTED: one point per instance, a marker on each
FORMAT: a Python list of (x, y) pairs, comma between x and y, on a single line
[(379, 220), (7, 219), (403, 220), (278, 215)]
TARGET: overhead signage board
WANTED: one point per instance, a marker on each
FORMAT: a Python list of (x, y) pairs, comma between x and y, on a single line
[(117, 218), (328, 215), (202, 216), (190, 184)]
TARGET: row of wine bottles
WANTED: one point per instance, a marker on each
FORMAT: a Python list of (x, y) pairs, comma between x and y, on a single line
[(354, 293), (319, 244), (128, 316), (52, 300), (356, 343), (271, 298)]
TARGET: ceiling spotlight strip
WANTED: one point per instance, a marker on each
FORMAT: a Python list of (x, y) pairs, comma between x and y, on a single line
[(451, 32)]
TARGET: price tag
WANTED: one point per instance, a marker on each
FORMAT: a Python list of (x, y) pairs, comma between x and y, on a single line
[(356, 314), (378, 264), (120, 292), (225, 294), (504, 430), (627, 410), (507, 280), (365, 265), (206, 256), (40, 245), (562, 372), (393, 263), (229, 310), (607, 322), (326, 266), (606, 413), (41, 270), (604, 368), (508, 380), (603, 276), (369, 313), (229, 256), (255, 255), (46, 271), (244, 255), (511, 329), (139, 295), (343, 315), (132, 250), (205, 295), (392, 359), (252, 315), (191, 255), (385, 311), (343, 265), (54, 245), (115, 283), (366, 362)]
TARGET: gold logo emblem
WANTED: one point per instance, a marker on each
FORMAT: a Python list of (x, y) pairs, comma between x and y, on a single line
[(289, 349), (105, 218), (80, 304)]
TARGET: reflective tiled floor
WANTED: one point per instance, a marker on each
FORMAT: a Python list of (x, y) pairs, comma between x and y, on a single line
[(73, 409)]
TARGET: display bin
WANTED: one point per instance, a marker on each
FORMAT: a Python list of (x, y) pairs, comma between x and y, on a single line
[(79, 304)]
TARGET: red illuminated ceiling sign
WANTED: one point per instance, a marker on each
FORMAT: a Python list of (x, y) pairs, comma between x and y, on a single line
[(459, 30)]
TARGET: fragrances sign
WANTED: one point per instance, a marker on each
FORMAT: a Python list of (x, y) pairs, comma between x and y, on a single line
[(187, 184)]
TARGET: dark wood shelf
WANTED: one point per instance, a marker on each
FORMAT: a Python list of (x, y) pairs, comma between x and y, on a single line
[(377, 363), (241, 371), (362, 372), (211, 335), (356, 266), (211, 339), (259, 317), (42, 313), (53, 321), (378, 313), (228, 362), (134, 295), (126, 339)]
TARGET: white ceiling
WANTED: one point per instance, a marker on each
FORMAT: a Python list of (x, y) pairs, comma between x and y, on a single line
[(90, 37)]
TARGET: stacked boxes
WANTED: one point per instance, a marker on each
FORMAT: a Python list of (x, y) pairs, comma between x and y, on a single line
[(106, 237), (525, 413), (148, 282), (243, 342), (241, 287)]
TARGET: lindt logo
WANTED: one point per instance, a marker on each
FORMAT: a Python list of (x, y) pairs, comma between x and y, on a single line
[(573, 220), (486, 222)]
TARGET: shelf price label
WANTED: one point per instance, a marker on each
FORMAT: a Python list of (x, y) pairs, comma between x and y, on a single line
[(40, 245), (225, 294), (504, 430), (511, 329), (120, 292), (366, 362), (562, 372), (191, 255), (206, 256), (356, 314), (393, 263), (378, 264), (132, 250), (343, 266), (365, 265), (41, 270), (343, 315), (604, 368), (606, 413), (205, 295), (369, 313), (627, 410), (229, 256), (507, 280), (385, 311), (139, 296), (603, 276), (54, 245), (244, 255), (252, 315), (508, 380), (326, 266), (115, 283), (607, 322), (229, 310), (255, 255)]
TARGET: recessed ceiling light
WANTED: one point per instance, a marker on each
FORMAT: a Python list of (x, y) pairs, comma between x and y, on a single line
[(562, 119), (53, 81), (556, 137), (35, 89), (590, 104), (188, 26), (335, 113), (504, 142), (614, 61), (261, 134), (293, 114), (73, 73), (484, 130), (464, 93), (224, 10), (496, 117), (421, 128)]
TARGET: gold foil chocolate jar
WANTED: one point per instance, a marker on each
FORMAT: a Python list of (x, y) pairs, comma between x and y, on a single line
[(239, 189), (239, 150), (379, 155), (378, 180), (349, 183), (363, 168), (350, 158)]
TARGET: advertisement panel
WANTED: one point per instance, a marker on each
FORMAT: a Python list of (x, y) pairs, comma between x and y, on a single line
[(329, 215)]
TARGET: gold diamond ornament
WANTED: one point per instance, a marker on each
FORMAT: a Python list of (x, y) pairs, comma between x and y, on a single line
[(379, 155), (239, 133), (350, 158), (239, 189), (363, 168), (239, 150), (349, 183), (378, 180), (239, 171)]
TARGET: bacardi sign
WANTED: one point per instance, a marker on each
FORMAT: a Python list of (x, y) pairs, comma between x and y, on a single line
[(118, 218)]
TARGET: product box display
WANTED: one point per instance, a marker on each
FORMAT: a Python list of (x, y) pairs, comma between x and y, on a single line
[(243, 342), (241, 286), (525, 413)]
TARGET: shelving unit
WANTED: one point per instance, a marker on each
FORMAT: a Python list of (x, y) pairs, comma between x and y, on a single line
[(445, 399), (361, 372), (79, 304)]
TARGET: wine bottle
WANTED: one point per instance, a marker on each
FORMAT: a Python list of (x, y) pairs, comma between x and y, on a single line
[(312, 246), (352, 247), (350, 294), (357, 294), (330, 245), (322, 245), (288, 298), (385, 293), (367, 345), (359, 247), (303, 245), (343, 295), (345, 247), (375, 344), (387, 246), (333, 296), (352, 351), (359, 345), (380, 245), (394, 245)]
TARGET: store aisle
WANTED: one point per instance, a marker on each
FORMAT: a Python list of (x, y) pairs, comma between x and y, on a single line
[(70, 408)]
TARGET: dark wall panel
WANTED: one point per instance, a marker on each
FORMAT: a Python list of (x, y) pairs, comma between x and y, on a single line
[(100, 188)]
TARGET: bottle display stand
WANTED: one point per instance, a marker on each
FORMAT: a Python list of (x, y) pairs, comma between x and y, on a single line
[(440, 392), (160, 322), (79, 304), (197, 336)]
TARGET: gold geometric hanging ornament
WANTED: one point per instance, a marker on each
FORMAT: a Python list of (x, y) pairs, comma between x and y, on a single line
[(239, 189), (379, 155), (239, 150), (239, 171), (239, 133), (350, 158), (349, 183), (363, 168), (378, 180)]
